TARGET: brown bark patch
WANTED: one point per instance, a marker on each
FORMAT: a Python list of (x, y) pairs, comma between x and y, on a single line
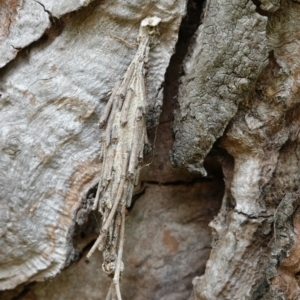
[(170, 242), (8, 15), (81, 180), (287, 279)]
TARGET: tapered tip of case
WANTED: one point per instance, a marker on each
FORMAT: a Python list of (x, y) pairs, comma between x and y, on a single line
[(150, 21)]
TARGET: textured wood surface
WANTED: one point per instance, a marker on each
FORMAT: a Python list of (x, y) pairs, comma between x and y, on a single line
[(229, 51), (52, 96), (237, 120), (256, 232)]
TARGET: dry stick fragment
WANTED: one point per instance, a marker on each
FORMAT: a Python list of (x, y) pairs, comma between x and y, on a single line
[(105, 215), (99, 189), (126, 81), (133, 156), (108, 106), (126, 106), (96, 201), (102, 148), (110, 122), (101, 207), (100, 184), (139, 113), (113, 294), (142, 89), (120, 254), (141, 154), (137, 177), (122, 40), (141, 151), (108, 220), (106, 173), (109, 294), (110, 236), (112, 212), (107, 203), (114, 134), (116, 231)]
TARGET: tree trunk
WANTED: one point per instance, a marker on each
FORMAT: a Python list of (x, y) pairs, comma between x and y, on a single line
[(214, 214)]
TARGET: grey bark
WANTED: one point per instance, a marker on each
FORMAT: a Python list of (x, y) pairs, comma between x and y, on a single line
[(237, 121), (229, 52), (52, 96), (255, 232)]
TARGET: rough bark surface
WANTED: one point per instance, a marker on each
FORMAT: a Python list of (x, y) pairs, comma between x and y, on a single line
[(52, 96), (229, 51), (166, 236), (22, 22), (236, 121), (256, 237)]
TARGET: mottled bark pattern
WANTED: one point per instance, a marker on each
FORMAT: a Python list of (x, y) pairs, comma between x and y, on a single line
[(256, 249), (22, 22), (229, 52), (237, 116), (51, 98)]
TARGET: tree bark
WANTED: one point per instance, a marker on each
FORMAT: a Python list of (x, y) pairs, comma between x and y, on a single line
[(221, 189)]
